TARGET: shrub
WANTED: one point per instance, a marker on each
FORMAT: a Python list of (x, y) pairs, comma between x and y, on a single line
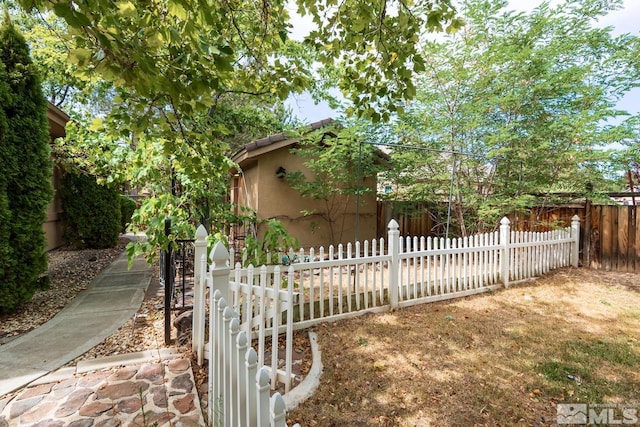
[(25, 171), (276, 240), (127, 208), (91, 212)]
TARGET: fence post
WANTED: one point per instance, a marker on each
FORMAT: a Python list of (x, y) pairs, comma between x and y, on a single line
[(168, 284), (505, 232), (575, 234), (394, 251), (200, 252), (220, 271), (216, 357)]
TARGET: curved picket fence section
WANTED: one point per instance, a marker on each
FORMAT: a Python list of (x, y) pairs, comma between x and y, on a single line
[(239, 388)]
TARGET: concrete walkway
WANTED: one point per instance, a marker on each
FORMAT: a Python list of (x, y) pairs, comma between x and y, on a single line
[(154, 387), (110, 300)]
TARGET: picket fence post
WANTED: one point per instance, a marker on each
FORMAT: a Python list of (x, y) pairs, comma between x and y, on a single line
[(394, 251), (220, 271), (264, 390), (199, 291), (505, 232), (575, 234), (251, 367), (219, 318)]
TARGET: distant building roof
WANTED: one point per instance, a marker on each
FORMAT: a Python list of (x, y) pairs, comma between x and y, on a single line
[(280, 140), (57, 121), (263, 142), (274, 142)]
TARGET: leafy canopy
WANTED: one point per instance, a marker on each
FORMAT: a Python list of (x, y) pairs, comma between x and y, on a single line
[(527, 98), (179, 67)]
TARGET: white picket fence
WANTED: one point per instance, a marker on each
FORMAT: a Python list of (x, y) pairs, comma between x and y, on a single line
[(240, 384), (239, 391), (365, 277)]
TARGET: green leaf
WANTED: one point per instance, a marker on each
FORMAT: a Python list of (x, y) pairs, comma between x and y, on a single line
[(96, 125), (176, 9), (126, 8)]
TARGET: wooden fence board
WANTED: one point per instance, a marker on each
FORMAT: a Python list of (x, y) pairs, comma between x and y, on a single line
[(594, 232), (614, 237), (605, 238), (637, 235), (622, 239), (632, 236), (613, 230)]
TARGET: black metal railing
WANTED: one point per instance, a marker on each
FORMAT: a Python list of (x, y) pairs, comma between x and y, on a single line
[(176, 268)]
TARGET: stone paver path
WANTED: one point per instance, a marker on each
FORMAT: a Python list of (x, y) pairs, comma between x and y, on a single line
[(159, 393)]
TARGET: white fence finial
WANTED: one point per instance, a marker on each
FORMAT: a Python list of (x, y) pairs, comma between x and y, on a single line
[(278, 411), (262, 403), (201, 233), (575, 234), (220, 271), (393, 225), (219, 255)]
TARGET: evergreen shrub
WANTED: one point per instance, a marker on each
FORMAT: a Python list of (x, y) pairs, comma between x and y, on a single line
[(91, 212), (25, 172)]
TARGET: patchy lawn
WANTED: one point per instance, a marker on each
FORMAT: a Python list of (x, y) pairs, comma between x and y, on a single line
[(505, 358)]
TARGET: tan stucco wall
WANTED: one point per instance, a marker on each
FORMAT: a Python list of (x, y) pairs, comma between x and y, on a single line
[(53, 228), (53, 224), (272, 197)]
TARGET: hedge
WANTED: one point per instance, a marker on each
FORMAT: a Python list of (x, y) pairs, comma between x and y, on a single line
[(25, 171), (91, 212)]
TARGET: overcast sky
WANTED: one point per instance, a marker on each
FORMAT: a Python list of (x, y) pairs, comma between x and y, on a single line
[(626, 20)]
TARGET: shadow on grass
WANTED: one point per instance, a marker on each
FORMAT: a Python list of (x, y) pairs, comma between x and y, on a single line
[(502, 359)]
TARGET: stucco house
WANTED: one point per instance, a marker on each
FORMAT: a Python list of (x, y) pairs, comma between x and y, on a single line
[(53, 224), (259, 185)]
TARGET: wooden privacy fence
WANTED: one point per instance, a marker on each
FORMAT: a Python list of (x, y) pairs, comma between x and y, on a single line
[(612, 238), (610, 233), (321, 286)]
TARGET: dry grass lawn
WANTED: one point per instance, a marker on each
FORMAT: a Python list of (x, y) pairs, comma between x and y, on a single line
[(505, 358)]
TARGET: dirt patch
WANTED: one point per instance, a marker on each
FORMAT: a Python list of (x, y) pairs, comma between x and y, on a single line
[(505, 358)]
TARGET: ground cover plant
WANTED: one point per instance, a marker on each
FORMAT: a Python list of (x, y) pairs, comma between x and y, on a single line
[(506, 358)]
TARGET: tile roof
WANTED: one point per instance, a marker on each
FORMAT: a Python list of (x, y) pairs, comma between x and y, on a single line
[(268, 140)]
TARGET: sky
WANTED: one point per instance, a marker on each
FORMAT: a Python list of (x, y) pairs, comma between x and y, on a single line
[(625, 20)]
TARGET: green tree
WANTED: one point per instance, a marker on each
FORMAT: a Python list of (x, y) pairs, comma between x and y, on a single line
[(26, 170), (524, 98), (75, 93), (336, 160), (7, 262), (78, 94), (171, 62)]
